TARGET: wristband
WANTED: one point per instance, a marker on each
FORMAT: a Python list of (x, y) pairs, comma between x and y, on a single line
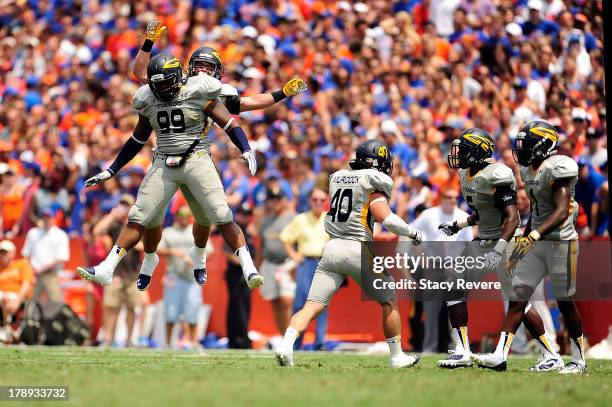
[(463, 223), (147, 45), (500, 246), (111, 172), (534, 235), (278, 95)]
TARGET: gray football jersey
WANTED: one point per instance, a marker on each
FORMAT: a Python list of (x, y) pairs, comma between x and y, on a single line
[(538, 187), (349, 214), (478, 192), (179, 122)]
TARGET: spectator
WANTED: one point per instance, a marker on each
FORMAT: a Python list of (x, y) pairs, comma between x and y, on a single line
[(16, 279), (587, 189), (182, 295), (239, 294), (280, 285), (307, 232), (122, 290), (47, 248), (595, 153)]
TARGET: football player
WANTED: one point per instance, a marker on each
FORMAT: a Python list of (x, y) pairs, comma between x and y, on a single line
[(203, 60), (177, 109), (489, 189), (549, 245), (359, 197)]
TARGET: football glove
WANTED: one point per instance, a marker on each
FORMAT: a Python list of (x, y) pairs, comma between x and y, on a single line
[(521, 248), (493, 260), (294, 87), (99, 178), (249, 157), (155, 28), (449, 229), (417, 238)]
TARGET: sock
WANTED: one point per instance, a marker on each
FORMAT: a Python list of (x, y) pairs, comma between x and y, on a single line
[(462, 342), (577, 349), (198, 256), (246, 262), (395, 345), (149, 263), (545, 346), (290, 337), (113, 258), (503, 346)]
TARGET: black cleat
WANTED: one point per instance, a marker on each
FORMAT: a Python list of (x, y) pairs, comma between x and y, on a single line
[(200, 276), (143, 282)]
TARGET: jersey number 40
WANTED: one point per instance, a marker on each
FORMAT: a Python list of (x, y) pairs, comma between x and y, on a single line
[(335, 210)]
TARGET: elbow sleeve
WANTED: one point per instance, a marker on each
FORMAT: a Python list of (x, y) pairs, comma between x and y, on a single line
[(396, 225), (236, 134)]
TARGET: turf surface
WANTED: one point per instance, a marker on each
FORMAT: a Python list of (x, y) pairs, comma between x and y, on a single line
[(223, 378)]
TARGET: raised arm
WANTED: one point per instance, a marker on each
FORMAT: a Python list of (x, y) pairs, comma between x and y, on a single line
[(154, 30), (132, 146), (264, 100)]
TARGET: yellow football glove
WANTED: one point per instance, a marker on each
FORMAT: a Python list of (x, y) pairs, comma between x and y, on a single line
[(154, 30), (294, 86), (521, 248)]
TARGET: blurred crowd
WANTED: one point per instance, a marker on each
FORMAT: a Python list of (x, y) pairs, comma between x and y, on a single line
[(413, 73)]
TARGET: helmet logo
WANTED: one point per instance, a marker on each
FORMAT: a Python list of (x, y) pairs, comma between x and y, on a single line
[(216, 55), (483, 142), (545, 133), (383, 152), (173, 63)]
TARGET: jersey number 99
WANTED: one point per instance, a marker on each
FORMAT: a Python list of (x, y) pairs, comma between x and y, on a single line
[(174, 121)]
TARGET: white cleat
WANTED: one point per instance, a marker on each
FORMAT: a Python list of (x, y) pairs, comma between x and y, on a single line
[(284, 357), (574, 368), (96, 274), (548, 364), (455, 360), (255, 280), (403, 360), (490, 361)]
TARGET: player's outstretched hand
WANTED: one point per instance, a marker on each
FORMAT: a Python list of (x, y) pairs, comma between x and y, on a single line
[(417, 238), (449, 229), (249, 157), (98, 178), (294, 87), (154, 30)]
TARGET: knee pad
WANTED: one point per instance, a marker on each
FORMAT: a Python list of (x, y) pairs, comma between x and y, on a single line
[(223, 215)]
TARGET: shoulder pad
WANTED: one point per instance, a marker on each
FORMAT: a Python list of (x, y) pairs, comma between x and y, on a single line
[(142, 97), (228, 90), (563, 167), (500, 174), (209, 86), (377, 181)]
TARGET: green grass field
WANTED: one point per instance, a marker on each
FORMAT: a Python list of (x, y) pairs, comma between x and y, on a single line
[(221, 378)]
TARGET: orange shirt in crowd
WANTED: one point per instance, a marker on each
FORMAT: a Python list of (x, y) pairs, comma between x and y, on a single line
[(11, 203), (13, 276)]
